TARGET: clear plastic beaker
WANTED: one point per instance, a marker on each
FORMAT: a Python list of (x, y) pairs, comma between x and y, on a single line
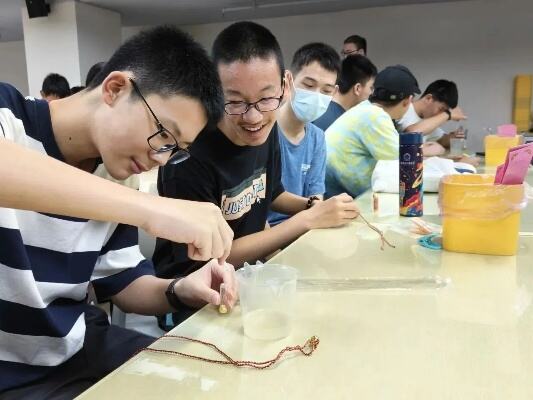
[(267, 293)]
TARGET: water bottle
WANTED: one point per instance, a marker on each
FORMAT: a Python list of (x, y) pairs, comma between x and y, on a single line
[(411, 169)]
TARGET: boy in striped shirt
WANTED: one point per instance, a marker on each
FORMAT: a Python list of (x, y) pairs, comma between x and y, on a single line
[(150, 100)]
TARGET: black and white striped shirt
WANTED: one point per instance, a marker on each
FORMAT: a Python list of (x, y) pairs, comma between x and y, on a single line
[(47, 262)]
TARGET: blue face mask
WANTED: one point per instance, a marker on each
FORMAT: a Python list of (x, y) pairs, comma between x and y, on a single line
[(308, 106)]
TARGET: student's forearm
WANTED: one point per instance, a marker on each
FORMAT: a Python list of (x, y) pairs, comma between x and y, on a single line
[(36, 182), (289, 203), (145, 296), (33, 181), (444, 140), (259, 245), (428, 125)]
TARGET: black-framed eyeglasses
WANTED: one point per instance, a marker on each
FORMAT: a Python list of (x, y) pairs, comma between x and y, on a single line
[(265, 104), (163, 141), (347, 53)]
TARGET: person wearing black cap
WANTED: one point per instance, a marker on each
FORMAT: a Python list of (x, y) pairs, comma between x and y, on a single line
[(366, 133)]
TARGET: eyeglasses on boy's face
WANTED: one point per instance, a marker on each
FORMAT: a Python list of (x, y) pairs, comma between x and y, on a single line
[(162, 141), (263, 105), (346, 53)]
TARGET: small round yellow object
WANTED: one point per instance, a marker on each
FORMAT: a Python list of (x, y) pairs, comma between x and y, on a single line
[(222, 309)]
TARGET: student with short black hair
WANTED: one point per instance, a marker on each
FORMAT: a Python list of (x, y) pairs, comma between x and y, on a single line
[(76, 89), (159, 91), (355, 82), (436, 106), (55, 87), (366, 133), (311, 86), (237, 165), (93, 71), (353, 44), (316, 52)]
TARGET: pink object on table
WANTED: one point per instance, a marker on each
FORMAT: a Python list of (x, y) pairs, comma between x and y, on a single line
[(507, 130), (514, 170), (500, 169)]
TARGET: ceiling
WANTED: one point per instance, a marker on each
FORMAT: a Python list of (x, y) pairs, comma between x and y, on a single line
[(187, 12)]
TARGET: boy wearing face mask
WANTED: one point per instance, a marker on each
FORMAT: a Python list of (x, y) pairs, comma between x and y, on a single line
[(312, 79)]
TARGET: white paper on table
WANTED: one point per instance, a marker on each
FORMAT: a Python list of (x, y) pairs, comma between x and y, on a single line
[(385, 177)]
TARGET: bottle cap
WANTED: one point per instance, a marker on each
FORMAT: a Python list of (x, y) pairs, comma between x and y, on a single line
[(411, 138)]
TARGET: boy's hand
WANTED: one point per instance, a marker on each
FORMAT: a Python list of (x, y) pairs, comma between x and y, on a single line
[(199, 225), (202, 286), (458, 134), (335, 211), (457, 114), (430, 149), (469, 160)]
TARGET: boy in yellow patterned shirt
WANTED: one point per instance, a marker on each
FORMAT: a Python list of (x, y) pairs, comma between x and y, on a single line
[(366, 133)]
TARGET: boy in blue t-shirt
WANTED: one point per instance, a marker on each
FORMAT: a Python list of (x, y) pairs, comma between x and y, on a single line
[(312, 84)]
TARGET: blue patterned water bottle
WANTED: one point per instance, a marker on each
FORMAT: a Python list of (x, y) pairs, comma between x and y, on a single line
[(411, 171)]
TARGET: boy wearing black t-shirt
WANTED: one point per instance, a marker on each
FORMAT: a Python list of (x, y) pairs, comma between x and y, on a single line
[(237, 165)]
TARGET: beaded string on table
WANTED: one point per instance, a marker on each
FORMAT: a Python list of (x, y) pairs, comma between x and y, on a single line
[(307, 349), (380, 233)]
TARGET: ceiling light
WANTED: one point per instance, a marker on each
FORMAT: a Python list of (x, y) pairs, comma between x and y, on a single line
[(256, 5)]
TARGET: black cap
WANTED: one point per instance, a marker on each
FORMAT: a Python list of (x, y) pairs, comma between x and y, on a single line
[(395, 83)]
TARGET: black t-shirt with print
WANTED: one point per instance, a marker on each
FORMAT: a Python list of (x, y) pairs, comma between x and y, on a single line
[(241, 180)]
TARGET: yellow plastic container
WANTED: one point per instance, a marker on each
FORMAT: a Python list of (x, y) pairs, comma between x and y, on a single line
[(480, 217), (496, 148), (522, 102)]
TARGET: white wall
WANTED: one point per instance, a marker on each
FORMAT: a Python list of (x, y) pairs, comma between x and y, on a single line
[(49, 42), (480, 44), (99, 35), (13, 65), (69, 41)]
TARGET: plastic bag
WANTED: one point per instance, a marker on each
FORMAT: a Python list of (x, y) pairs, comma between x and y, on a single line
[(476, 197)]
